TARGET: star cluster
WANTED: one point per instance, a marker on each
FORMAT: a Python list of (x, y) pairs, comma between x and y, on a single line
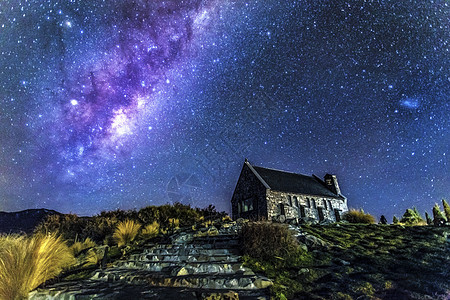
[(123, 104)]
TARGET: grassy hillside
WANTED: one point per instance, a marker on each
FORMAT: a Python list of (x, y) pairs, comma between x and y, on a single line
[(364, 262)]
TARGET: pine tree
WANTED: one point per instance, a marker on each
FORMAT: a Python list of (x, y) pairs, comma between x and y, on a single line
[(383, 220), (394, 220), (446, 209), (429, 220), (438, 217), (412, 217)]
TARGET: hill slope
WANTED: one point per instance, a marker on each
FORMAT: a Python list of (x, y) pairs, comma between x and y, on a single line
[(365, 262), (23, 221)]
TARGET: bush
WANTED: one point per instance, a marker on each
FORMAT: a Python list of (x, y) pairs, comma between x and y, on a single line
[(125, 232), (77, 247), (446, 209), (412, 217), (27, 262), (93, 257), (358, 216), (151, 230), (67, 226), (266, 240), (438, 216)]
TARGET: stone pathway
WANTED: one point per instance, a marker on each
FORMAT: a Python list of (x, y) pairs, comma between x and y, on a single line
[(190, 267)]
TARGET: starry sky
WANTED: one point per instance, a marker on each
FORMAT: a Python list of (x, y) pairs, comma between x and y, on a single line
[(129, 103)]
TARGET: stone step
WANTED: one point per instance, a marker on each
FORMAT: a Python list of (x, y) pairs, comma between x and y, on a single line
[(217, 281), (81, 290), (184, 258), (198, 243), (225, 267), (190, 251), (211, 243)]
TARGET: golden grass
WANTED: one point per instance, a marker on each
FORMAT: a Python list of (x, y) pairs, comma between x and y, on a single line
[(27, 262), (93, 257), (358, 216), (77, 247), (151, 230), (126, 232), (174, 223)]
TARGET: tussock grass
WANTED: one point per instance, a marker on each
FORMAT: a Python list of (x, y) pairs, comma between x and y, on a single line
[(77, 247), (126, 232), (267, 240), (358, 216), (93, 257), (150, 230), (27, 262)]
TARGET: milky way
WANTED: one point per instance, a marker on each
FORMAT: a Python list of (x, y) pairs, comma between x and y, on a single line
[(123, 104)]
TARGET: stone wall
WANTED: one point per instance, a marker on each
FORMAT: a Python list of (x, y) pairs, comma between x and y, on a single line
[(306, 207), (249, 189)]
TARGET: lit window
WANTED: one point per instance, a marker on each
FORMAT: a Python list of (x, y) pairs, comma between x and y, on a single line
[(247, 204)]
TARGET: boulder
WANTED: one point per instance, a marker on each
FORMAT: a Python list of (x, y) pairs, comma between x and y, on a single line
[(313, 242), (262, 283)]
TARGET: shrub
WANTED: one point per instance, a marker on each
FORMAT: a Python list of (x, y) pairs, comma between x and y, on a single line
[(266, 240), (446, 209), (93, 257), (125, 232), (438, 216), (151, 230), (365, 288), (27, 262), (358, 216), (227, 218), (174, 223), (77, 247), (67, 226), (429, 220), (412, 217)]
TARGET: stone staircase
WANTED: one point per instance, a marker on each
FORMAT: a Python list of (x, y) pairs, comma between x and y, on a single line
[(189, 267)]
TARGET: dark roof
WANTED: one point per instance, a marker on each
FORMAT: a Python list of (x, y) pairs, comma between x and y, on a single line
[(294, 183)]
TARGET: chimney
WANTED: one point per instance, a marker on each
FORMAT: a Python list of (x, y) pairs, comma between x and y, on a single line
[(332, 184)]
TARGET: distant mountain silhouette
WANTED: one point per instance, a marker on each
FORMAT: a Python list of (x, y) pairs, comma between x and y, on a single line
[(23, 221)]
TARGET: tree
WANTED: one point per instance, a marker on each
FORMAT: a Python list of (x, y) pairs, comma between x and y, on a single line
[(429, 220), (412, 217), (383, 220), (394, 220), (446, 209), (438, 216)]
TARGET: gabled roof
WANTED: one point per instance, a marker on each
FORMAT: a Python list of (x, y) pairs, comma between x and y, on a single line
[(291, 182)]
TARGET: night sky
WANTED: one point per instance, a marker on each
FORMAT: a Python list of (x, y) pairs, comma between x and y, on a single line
[(124, 104)]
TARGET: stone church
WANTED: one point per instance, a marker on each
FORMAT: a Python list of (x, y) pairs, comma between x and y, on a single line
[(270, 194)]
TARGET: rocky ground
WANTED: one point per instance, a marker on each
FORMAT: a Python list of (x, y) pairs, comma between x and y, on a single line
[(188, 266)]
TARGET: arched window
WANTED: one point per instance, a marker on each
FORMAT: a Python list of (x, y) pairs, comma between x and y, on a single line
[(314, 205), (324, 203), (290, 200), (296, 201), (308, 202)]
